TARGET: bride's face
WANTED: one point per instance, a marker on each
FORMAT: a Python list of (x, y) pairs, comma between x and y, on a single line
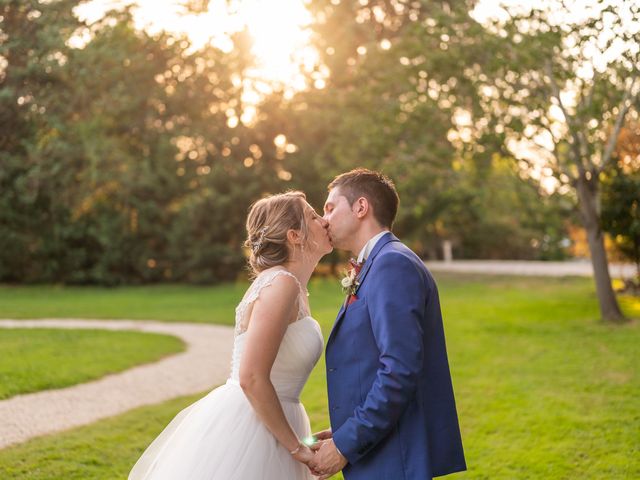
[(318, 235)]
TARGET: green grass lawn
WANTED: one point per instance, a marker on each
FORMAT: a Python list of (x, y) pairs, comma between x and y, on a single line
[(162, 302), (106, 450), (544, 390), (39, 359)]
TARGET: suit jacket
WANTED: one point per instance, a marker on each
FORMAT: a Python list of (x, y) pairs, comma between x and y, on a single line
[(391, 401)]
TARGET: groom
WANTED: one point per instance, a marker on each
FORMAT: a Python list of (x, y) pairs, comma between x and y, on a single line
[(391, 403)]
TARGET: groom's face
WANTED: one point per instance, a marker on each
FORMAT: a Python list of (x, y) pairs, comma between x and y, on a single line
[(341, 218)]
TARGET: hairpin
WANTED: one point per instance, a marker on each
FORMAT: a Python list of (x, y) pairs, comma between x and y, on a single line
[(256, 245)]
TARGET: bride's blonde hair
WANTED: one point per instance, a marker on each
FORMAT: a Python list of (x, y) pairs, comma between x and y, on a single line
[(268, 222)]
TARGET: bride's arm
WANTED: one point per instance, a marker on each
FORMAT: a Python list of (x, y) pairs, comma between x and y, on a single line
[(272, 312)]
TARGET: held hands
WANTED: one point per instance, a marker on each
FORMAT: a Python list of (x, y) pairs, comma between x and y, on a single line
[(322, 457), (327, 460), (304, 454)]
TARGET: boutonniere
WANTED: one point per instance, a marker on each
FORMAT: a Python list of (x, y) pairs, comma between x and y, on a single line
[(350, 282)]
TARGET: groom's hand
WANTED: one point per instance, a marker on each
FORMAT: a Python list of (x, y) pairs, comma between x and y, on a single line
[(323, 435), (327, 460)]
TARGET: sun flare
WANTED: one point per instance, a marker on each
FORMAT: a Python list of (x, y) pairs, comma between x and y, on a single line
[(281, 39)]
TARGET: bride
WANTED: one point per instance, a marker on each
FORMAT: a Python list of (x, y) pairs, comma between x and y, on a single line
[(252, 427)]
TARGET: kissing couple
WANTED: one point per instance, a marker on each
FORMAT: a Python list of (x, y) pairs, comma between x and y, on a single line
[(391, 401)]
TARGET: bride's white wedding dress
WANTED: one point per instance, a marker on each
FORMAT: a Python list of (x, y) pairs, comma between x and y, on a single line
[(220, 437)]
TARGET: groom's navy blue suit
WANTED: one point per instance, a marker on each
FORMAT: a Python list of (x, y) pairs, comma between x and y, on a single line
[(391, 402)]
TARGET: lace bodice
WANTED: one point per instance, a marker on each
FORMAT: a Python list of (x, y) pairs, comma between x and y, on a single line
[(263, 280), (301, 345)]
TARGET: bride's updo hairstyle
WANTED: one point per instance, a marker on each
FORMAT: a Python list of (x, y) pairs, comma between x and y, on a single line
[(268, 222)]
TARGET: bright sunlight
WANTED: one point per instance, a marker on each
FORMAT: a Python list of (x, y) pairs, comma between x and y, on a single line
[(281, 41)]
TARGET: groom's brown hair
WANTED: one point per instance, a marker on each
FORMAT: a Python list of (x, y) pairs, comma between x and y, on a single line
[(376, 187)]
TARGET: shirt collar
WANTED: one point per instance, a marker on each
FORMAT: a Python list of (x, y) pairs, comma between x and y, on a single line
[(368, 247)]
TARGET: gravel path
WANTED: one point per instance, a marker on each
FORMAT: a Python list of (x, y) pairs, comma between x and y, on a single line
[(205, 364), (528, 268)]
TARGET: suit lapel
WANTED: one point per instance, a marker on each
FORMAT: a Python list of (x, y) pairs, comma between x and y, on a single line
[(386, 238)]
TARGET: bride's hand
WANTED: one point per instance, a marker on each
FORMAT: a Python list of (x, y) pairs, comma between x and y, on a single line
[(304, 454)]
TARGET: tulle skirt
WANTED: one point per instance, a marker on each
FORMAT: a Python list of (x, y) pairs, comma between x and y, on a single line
[(220, 437)]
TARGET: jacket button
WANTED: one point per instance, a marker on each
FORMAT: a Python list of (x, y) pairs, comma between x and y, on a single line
[(332, 369)]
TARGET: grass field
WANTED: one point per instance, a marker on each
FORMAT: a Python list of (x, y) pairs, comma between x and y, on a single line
[(40, 359), (544, 390), (163, 302)]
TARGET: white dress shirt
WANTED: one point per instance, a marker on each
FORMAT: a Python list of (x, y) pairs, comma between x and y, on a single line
[(368, 247)]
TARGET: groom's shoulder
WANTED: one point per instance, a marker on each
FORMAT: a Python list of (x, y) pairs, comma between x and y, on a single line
[(398, 248), (398, 254)]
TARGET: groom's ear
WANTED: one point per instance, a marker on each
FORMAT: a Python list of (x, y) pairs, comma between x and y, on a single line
[(361, 207)]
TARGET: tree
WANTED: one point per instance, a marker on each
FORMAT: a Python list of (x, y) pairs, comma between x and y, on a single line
[(164, 183), (394, 91), (33, 53), (125, 162), (128, 162), (563, 86), (621, 196)]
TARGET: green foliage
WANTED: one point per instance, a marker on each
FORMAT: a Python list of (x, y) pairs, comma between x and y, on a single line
[(133, 174), (390, 105), (122, 163), (556, 88), (43, 359), (529, 407), (32, 54), (505, 216), (621, 212)]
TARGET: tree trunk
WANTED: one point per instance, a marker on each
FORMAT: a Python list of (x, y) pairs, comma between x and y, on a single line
[(587, 200)]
